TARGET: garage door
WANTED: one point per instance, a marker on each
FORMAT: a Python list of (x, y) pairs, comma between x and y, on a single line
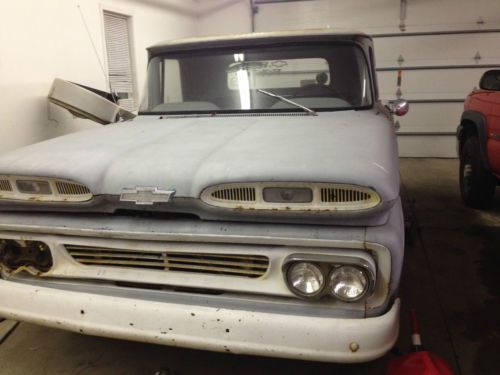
[(437, 70), (441, 48)]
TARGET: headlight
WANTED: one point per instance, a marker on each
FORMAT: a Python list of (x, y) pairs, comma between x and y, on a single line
[(291, 196), (305, 279), (348, 283), (39, 189), (347, 275)]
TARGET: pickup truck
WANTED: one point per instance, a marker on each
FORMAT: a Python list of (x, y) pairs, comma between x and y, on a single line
[(479, 142), (251, 207)]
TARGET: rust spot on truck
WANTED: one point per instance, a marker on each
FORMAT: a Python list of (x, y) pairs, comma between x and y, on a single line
[(353, 347)]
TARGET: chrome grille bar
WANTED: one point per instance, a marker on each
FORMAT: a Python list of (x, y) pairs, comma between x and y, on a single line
[(226, 264)]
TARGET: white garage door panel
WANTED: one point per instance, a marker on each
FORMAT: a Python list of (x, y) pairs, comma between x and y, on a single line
[(344, 14), (377, 16), (438, 50), (430, 117), (451, 14), (428, 146), (430, 84)]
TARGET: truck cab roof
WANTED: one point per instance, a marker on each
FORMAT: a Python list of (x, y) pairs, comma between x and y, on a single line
[(261, 38)]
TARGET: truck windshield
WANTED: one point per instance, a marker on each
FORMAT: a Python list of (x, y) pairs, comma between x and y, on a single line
[(321, 77)]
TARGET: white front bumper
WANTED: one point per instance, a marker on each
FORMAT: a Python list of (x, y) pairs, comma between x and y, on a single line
[(200, 327)]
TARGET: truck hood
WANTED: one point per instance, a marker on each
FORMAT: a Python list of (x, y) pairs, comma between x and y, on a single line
[(188, 154)]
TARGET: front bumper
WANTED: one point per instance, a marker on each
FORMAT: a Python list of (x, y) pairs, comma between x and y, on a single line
[(203, 327)]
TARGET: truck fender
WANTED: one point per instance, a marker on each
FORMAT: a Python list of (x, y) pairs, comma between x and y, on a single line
[(478, 121)]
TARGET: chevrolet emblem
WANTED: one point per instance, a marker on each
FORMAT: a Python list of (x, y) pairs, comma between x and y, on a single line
[(144, 195)]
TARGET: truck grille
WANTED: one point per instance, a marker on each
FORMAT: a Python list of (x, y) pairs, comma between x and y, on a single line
[(343, 195), (5, 185), (252, 266), (246, 194), (70, 188), (322, 196)]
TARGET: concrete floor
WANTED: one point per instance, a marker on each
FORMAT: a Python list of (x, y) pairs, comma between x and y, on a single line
[(451, 278)]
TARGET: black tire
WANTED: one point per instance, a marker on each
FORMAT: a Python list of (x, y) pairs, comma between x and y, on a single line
[(477, 184)]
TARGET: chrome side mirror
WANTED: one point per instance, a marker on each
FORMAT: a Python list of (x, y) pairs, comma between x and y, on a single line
[(399, 107)]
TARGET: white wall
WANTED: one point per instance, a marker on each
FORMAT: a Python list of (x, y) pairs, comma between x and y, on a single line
[(41, 40), (383, 16)]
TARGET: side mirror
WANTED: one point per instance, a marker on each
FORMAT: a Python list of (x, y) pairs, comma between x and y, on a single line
[(87, 103), (399, 107), (490, 80)]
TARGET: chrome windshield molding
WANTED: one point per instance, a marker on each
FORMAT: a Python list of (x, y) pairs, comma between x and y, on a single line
[(285, 112)]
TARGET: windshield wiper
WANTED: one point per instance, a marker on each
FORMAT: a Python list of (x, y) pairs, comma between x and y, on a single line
[(283, 99)]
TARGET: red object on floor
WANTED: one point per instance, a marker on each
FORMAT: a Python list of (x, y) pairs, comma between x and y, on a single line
[(418, 363)]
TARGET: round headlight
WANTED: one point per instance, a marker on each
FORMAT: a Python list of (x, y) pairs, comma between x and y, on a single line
[(305, 279), (348, 283)]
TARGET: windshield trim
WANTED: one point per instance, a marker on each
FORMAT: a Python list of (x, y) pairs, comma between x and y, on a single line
[(236, 112)]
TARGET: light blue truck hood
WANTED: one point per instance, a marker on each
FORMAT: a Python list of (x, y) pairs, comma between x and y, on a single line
[(188, 154)]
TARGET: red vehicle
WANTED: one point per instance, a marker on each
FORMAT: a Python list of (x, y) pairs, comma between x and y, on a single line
[(479, 142)]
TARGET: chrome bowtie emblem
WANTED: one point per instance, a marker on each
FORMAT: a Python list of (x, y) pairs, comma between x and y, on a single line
[(145, 195)]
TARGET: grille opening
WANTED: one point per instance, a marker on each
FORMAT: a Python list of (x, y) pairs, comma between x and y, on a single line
[(251, 266), (69, 188), (155, 214), (5, 185), (340, 195), (245, 194), (149, 286), (212, 292)]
